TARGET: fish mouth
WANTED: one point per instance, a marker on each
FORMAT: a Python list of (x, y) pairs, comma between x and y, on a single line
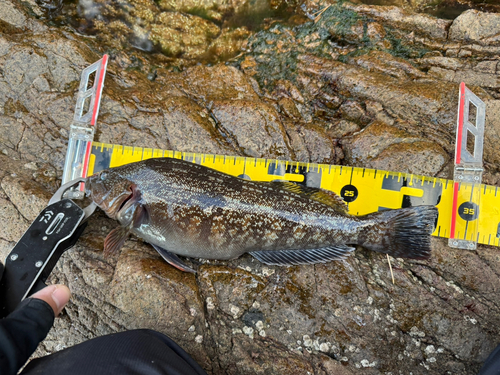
[(96, 191), (116, 205), (104, 197)]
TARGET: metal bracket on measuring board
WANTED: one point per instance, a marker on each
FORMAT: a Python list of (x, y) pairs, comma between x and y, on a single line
[(83, 127), (468, 169)]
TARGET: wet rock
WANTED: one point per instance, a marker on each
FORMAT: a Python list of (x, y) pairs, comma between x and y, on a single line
[(12, 15), (177, 33), (388, 64), (28, 196), (211, 9), (381, 146), (332, 367), (255, 128), (342, 129), (183, 31), (418, 102), (198, 81), (476, 26), (442, 62), (396, 17), (371, 141), (11, 133), (253, 356), (448, 9), (311, 143), (352, 111), (15, 19), (421, 157), (471, 76), (492, 131), (235, 300), (186, 123), (17, 224), (447, 266), (159, 290), (363, 85), (228, 44)]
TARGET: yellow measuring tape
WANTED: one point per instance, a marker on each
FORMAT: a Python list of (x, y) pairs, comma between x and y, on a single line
[(364, 190)]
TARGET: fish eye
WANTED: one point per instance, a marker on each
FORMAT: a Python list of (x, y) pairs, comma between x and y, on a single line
[(103, 176)]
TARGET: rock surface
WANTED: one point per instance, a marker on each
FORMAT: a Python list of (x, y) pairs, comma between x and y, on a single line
[(448, 9), (363, 85)]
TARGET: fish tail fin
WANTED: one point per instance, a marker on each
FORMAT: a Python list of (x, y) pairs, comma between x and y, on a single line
[(402, 233)]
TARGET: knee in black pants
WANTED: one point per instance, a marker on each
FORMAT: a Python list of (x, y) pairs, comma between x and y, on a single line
[(129, 353)]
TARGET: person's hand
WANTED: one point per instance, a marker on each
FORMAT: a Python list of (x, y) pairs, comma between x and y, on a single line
[(24, 328), (57, 296)]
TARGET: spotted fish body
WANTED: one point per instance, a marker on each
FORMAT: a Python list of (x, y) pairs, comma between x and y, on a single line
[(191, 210)]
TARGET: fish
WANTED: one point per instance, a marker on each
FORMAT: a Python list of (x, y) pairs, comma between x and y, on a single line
[(183, 208)]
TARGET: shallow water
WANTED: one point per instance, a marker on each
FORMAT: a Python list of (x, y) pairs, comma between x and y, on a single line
[(206, 31), (192, 31)]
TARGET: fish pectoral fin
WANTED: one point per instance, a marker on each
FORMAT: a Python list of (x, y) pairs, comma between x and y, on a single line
[(115, 240), (173, 259), (308, 256), (141, 216), (321, 195)]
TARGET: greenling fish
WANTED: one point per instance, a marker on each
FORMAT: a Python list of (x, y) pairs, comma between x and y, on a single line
[(194, 211)]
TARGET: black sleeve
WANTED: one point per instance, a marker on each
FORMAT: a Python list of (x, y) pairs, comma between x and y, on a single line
[(22, 331), (492, 364)]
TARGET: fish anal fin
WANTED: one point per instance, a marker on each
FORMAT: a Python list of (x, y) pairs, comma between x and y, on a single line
[(321, 195), (173, 259), (115, 240), (308, 256)]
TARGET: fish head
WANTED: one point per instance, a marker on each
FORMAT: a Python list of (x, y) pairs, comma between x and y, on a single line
[(113, 193)]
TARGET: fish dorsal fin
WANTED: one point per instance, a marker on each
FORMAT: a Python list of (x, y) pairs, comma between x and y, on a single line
[(308, 256), (321, 195), (331, 199)]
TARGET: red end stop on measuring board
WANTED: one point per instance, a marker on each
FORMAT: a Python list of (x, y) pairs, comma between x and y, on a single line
[(82, 129), (468, 171)]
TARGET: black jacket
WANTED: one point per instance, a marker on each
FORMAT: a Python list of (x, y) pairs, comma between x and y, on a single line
[(21, 332)]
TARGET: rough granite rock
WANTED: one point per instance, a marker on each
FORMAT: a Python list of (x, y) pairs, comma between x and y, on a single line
[(448, 9), (476, 26), (382, 146), (313, 91)]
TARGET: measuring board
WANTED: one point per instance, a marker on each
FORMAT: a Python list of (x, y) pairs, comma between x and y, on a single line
[(469, 212), (364, 190)]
